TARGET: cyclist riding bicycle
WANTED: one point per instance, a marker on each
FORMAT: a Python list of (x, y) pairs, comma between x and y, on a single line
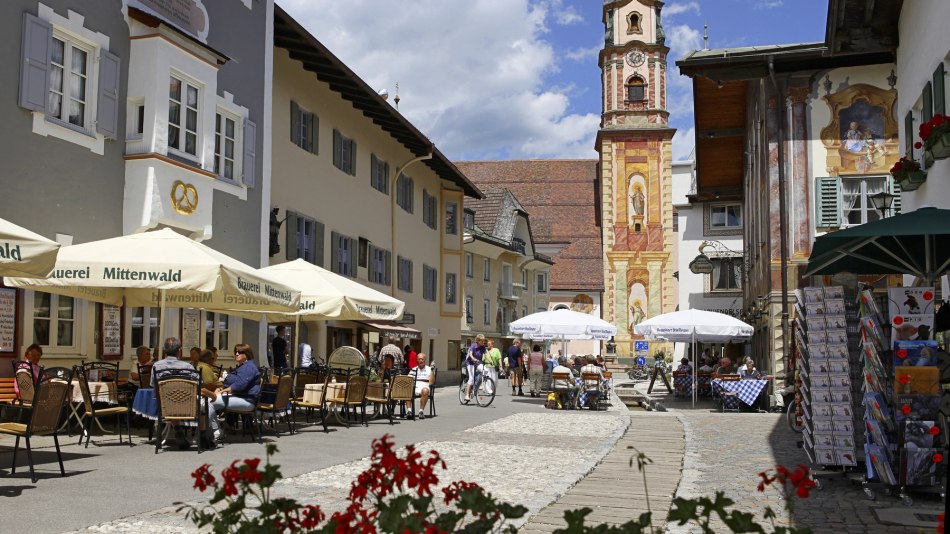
[(473, 363)]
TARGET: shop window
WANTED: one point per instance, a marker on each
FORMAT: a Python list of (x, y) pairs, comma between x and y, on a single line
[(451, 218)]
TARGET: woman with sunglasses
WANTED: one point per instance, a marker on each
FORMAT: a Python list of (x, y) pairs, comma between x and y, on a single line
[(241, 387)]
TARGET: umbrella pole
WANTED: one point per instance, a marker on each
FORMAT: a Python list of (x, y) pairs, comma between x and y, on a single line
[(693, 348), (161, 318), (297, 339)]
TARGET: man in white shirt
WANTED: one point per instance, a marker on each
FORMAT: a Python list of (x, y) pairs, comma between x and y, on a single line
[(423, 374), (306, 354)]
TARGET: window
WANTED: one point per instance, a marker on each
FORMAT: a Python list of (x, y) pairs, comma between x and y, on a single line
[(486, 269), (304, 128), (404, 274), (304, 238), (430, 279), (469, 265), (225, 137), (524, 311), (726, 274), (217, 326), (636, 89), (524, 279), (145, 327), (469, 312), (69, 82), (343, 254), (676, 220), (344, 153), (725, 216), (430, 209), (451, 218), (450, 285), (486, 312), (633, 23), (404, 192), (844, 201), (54, 320), (469, 220), (542, 282), (379, 174), (379, 262), (182, 116), (363, 245)]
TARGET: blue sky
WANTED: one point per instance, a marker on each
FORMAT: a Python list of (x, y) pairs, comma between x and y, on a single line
[(518, 79)]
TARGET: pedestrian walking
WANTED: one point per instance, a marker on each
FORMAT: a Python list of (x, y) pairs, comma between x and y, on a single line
[(492, 361), (516, 368), (536, 366)]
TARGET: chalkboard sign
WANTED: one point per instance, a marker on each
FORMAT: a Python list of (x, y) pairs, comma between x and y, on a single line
[(9, 318), (110, 332)]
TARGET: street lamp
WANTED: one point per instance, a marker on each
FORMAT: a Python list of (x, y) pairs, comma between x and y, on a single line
[(882, 202)]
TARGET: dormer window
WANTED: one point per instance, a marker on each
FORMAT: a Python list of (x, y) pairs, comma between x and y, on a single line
[(636, 89), (633, 23)]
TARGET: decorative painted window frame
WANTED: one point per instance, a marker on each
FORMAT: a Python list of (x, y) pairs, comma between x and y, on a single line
[(707, 218)]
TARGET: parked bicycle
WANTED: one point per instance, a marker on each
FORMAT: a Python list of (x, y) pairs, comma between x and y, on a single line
[(637, 372), (483, 388)]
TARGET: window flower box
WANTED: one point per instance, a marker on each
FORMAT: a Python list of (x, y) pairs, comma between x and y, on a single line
[(907, 174), (935, 138)]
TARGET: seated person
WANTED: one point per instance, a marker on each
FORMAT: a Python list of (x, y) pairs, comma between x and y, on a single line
[(705, 367), (143, 356), (592, 387), (684, 366), (240, 388), (172, 352), (209, 378), (600, 363), (423, 374), (565, 387), (31, 361), (725, 367), (749, 371)]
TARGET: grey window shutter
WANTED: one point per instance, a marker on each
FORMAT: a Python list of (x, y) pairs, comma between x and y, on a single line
[(353, 254), (352, 157), (249, 165), (36, 47), (909, 135), (385, 178), (374, 180), (315, 133), (371, 268), (312, 138), (337, 149), (335, 253), (294, 123), (388, 278), (940, 98), (828, 202), (290, 244), (928, 97), (107, 114), (410, 275), (896, 191), (318, 243)]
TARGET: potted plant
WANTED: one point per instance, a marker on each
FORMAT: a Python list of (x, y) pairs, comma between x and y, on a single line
[(935, 137), (907, 174)]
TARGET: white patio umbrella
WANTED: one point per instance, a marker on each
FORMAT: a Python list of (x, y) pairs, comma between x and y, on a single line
[(25, 253), (325, 295), (691, 326), (159, 268), (562, 325)]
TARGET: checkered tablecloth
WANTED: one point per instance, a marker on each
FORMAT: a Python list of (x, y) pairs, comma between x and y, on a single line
[(746, 390), (683, 384)]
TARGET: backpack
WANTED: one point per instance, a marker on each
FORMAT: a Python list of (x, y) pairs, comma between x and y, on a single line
[(551, 402)]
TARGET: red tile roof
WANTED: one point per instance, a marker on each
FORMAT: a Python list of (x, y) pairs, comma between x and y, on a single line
[(561, 198)]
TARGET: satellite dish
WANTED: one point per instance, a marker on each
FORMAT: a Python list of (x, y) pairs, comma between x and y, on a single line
[(384, 93)]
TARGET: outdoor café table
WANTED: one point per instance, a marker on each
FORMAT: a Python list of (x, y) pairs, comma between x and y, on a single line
[(98, 391), (747, 390)]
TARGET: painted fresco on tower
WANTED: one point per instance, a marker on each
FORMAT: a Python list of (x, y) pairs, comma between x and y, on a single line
[(862, 135), (637, 299)]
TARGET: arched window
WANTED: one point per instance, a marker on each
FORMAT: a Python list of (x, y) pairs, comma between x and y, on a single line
[(633, 23), (636, 89)]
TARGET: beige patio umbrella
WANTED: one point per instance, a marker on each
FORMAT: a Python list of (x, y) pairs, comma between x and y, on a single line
[(161, 268), (325, 295), (25, 253)]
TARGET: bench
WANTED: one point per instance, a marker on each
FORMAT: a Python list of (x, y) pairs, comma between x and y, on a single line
[(7, 393)]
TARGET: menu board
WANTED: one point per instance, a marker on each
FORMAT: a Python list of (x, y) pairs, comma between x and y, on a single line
[(8, 320), (110, 332), (191, 328)]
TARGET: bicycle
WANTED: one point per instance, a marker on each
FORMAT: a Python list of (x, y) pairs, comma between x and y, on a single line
[(637, 372), (482, 386), (793, 417)]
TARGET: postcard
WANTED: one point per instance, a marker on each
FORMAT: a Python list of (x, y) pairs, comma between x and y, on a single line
[(834, 306), (916, 407), (814, 294), (843, 427), (817, 336), (838, 337), (918, 353), (918, 467), (833, 292), (814, 308), (815, 322), (846, 457), (835, 321), (917, 434), (916, 380)]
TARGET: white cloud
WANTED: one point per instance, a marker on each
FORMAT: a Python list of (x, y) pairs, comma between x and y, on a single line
[(472, 74), (683, 143), (768, 4), (676, 8), (585, 54)]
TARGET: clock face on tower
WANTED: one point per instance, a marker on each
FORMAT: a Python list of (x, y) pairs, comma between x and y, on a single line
[(635, 58)]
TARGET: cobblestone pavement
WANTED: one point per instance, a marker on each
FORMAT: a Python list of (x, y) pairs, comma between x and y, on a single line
[(570, 443)]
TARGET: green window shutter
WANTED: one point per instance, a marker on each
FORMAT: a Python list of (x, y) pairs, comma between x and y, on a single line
[(828, 202), (318, 243), (294, 123), (928, 111), (895, 189), (290, 244), (940, 99), (910, 136), (373, 171), (337, 149)]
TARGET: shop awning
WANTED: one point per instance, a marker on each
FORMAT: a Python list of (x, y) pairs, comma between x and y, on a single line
[(398, 331)]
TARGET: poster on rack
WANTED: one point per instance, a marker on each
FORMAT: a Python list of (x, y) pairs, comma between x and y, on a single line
[(911, 312)]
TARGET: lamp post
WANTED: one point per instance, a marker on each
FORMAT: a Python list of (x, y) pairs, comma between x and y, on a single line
[(882, 202), (392, 208)]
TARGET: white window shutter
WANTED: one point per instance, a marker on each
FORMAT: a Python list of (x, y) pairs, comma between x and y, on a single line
[(828, 202), (249, 165), (36, 48), (107, 113)]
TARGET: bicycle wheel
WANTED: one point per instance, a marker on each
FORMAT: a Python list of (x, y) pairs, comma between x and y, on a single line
[(462, 392), (793, 421), (486, 392)]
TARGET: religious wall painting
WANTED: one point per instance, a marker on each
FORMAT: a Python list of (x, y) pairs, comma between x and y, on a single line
[(636, 200), (637, 302), (862, 136), (582, 303)]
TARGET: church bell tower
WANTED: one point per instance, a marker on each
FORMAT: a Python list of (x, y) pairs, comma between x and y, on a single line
[(635, 147)]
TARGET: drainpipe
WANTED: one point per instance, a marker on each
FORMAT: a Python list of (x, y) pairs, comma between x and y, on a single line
[(392, 213), (783, 213)]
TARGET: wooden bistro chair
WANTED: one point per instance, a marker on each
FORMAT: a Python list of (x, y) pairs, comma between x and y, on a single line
[(179, 395), (704, 383), (23, 374), (729, 400), (49, 398), (564, 394), (377, 394), (402, 390), (145, 375), (310, 399), (94, 414), (355, 397), (280, 407), (593, 388)]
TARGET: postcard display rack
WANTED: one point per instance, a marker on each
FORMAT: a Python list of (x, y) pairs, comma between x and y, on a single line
[(905, 434), (826, 337)]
